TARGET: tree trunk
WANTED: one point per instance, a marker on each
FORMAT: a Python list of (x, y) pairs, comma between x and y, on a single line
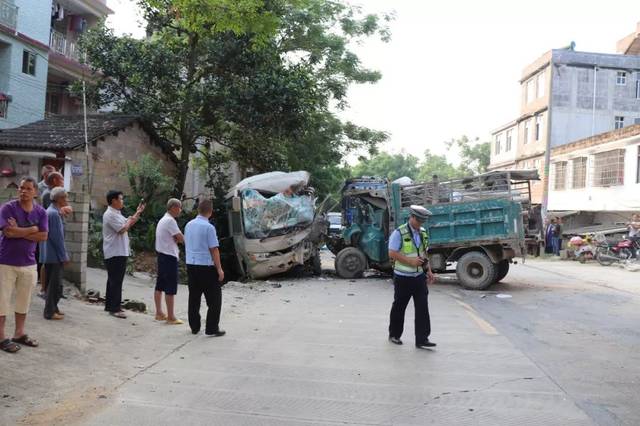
[(183, 167), (186, 131)]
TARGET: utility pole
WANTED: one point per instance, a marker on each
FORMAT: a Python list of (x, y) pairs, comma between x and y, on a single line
[(547, 151), (86, 137)]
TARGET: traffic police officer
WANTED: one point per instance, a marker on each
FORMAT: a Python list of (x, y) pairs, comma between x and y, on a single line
[(408, 248)]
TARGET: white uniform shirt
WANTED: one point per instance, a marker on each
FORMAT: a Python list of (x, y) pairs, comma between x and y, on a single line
[(165, 230), (113, 243)]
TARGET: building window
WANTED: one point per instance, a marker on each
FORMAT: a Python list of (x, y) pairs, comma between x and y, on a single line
[(608, 168), (560, 175), (619, 122), (507, 146), (498, 146), (4, 106), (538, 128), (526, 132), (540, 85), (52, 104), (536, 164), (638, 87), (621, 78), (28, 63), (579, 173), (531, 90)]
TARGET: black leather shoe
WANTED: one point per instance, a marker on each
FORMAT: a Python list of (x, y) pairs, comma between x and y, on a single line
[(217, 333), (395, 340), (425, 345)]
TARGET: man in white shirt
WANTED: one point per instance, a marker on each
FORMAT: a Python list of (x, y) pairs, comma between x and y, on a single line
[(115, 245), (168, 236)]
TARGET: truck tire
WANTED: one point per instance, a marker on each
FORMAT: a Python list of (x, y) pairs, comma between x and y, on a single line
[(350, 263), (316, 264), (502, 269), (476, 271)]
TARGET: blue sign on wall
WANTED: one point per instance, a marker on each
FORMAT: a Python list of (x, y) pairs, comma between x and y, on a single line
[(76, 170)]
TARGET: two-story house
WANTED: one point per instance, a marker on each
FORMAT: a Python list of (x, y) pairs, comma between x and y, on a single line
[(24, 52), (69, 20), (567, 96), (39, 58)]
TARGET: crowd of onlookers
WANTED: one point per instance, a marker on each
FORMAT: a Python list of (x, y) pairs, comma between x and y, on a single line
[(32, 251)]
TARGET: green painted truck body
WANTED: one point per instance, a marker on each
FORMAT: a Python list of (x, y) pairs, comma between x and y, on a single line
[(469, 230)]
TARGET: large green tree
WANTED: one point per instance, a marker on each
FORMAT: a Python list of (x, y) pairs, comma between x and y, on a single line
[(391, 166), (474, 155), (261, 78)]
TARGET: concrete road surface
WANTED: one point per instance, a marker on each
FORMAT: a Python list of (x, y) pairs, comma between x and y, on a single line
[(562, 350)]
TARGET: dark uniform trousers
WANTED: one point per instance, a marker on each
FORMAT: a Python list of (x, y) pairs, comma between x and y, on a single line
[(404, 289), (116, 269), (204, 279)]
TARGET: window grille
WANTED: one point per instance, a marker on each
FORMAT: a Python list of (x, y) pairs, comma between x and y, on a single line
[(608, 168)]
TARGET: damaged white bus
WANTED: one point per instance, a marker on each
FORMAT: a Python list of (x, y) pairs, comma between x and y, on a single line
[(274, 225)]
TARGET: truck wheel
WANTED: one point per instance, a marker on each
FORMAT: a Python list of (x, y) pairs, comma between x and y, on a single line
[(476, 271), (502, 269), (350, 263), (316, 264)]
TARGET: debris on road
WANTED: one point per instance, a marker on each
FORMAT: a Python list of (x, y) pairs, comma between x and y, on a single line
[(134, 305), (503, 296)]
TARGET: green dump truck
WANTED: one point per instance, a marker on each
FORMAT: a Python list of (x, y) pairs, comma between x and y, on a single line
[(478, 225)]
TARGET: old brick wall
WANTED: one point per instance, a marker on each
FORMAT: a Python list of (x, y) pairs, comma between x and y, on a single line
[(76, 236), (109, 160)]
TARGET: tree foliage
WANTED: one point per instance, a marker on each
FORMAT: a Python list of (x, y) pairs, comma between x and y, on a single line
[(262, 78), (475, 155), (391, 166), (474, 159)]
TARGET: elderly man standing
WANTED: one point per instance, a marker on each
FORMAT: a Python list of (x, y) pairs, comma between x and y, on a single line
[(23, 224), (115, 245), (42, 185), (53, 180), (53, 254), (204, 270), (168, 236)]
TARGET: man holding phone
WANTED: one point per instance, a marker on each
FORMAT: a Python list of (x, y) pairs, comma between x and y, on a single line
[(408, 247), (115, 245)]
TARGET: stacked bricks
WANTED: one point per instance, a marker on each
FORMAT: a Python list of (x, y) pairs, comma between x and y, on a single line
[(77, 239)]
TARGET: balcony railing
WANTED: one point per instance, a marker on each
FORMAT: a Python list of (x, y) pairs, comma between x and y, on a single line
[(60, 44), (8, 14)]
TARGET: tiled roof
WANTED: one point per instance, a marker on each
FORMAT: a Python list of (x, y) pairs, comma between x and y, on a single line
[(60, 132)]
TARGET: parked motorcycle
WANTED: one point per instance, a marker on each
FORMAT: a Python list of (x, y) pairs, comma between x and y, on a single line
[(618, 251)]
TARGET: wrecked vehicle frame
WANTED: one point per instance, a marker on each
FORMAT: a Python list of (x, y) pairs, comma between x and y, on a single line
[(274, 232)]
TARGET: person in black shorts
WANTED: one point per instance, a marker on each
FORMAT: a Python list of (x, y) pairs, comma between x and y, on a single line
[(168, 236)]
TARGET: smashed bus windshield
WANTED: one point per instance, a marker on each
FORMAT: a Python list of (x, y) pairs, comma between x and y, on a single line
[(265, 216)]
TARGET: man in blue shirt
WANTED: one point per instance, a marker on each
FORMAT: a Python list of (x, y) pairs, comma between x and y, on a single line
[(408, 246), (53, 254), (204, 270)]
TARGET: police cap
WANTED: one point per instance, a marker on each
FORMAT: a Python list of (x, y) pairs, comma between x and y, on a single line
[(419, 212)]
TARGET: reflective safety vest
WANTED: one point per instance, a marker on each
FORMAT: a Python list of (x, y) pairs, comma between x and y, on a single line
[(409, 249)]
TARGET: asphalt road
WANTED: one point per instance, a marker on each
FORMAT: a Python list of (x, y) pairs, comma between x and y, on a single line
[(563, 349), (580, 325)]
